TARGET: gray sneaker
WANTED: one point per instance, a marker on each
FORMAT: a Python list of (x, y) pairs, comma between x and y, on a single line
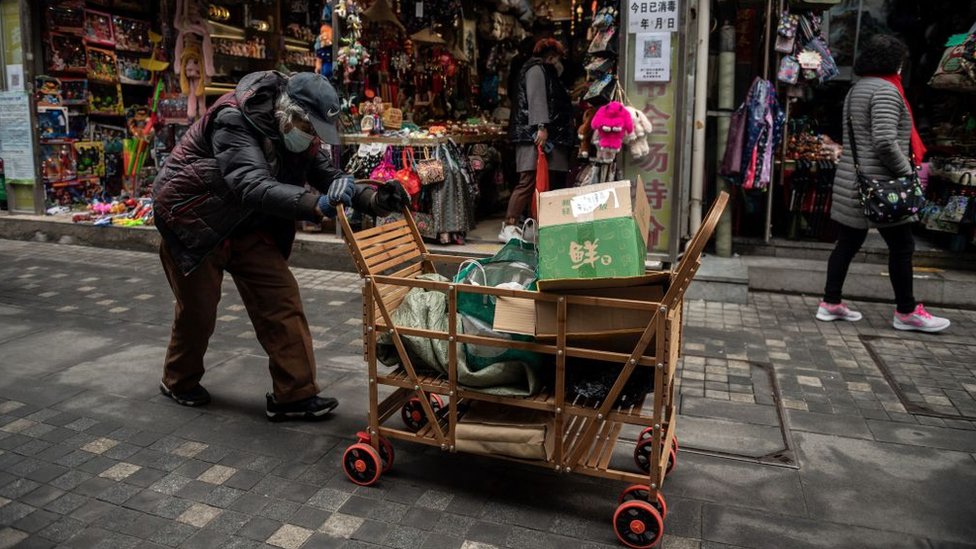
[(920, 320)]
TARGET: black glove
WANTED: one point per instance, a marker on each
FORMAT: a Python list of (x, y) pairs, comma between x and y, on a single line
[(391, 197)]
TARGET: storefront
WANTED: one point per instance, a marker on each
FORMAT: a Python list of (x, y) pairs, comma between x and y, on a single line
[(427, 91), (803, 52)]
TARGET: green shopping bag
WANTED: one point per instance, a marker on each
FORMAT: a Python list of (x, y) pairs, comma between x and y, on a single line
[(513, 267)]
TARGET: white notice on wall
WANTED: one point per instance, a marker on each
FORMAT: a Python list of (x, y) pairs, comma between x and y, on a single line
[(652, 16), (16, 148), (652, 58)]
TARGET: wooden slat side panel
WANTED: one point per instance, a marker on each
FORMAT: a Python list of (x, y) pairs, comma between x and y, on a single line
[(366, 234)]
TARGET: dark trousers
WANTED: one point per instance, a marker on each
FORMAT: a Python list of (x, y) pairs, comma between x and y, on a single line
[(525, 189), (271, 297), (901, 246)]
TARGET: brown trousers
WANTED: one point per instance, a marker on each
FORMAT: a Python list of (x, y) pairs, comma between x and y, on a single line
[(525, 189), (271, 297)]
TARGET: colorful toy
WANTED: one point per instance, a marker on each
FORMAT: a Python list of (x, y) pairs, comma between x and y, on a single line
[(98, 28), (74, 91), (90, 158), (52, 122), (67, 16), (131, 34), (193, 79), (195, 35), (48, 91), (66, 53), (102, 65), (58, 161), (612, 124), (131, 70), (105, 99)]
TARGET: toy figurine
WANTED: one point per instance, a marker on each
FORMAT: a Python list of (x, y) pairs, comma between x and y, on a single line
[(138, 122), (192, 80), (98, 28), (48, 92), (193, 32), (323, 51)]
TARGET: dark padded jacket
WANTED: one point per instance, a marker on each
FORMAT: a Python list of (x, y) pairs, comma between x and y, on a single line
[(561, 127), (231, 173)]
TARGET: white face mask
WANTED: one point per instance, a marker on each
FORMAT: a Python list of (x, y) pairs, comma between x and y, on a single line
[(297, 141)]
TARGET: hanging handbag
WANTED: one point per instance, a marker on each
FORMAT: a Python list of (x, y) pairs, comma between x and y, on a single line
[(891, 200), (385, 170), (789, 70), (406, 175), (786, 32), (430, 170)]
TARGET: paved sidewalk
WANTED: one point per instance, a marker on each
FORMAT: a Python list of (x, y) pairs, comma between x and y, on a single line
[(792, 432)]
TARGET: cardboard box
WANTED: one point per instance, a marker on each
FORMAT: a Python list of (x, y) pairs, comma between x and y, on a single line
[(538, 318), (596, 231)]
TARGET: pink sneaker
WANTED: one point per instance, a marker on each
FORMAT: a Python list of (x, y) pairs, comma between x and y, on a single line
[(839, 311), (920, 320)]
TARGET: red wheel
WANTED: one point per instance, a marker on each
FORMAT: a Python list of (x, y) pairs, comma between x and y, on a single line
[(412, 412), (640, 492), (645, 434), (642, 456), (638, 524), (362, 464), (386, 449)]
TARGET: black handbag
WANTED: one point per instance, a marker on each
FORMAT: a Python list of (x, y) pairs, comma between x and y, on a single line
[(887, 200)]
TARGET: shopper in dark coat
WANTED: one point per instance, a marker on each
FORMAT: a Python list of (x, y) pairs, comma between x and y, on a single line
[(887, 143), (227, 199), (543, 117)]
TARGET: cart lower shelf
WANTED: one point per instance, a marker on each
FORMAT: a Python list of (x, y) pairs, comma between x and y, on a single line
[(639, 518)]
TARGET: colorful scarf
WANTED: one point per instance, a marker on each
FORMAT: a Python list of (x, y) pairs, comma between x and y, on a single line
[(918, 148)]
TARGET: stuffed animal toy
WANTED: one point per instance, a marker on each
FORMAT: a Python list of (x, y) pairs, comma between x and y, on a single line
[(642, 128), (585, 133), (192, 81), (612, 124), (194, 55)]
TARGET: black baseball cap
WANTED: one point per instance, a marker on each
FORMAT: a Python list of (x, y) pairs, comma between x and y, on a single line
[(319, 99)]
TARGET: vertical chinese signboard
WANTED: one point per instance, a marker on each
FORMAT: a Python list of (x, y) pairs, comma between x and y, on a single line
[(658, 100)]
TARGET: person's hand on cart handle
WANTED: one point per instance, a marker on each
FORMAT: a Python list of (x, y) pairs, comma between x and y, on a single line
[(341, 191), (391, 197)]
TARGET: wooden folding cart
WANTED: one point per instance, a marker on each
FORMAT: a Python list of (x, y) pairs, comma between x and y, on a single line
[(391, 257)]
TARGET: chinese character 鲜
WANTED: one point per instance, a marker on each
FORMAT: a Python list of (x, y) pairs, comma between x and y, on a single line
[(587, 254)]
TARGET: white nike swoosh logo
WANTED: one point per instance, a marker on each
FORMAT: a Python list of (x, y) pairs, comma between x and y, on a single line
[(331, 114)]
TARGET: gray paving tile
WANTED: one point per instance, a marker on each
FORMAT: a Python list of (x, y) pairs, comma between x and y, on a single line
[(172, 534), (259, 528), (839, 473), (373, 531), (35, 521), (62, 529), (747, 528)]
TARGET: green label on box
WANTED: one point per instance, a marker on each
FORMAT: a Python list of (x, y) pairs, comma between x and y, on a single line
[(596, 249)]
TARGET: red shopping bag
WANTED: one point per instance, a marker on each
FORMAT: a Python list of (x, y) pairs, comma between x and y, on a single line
[(541, 181)]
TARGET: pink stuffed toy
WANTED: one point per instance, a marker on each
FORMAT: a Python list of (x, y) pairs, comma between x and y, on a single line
[(613, 124)]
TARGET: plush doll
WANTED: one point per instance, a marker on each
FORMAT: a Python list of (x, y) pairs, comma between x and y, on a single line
[(612, 124), (194, 55), (192, 80), (323, 51), (642, 128), (585, 133)]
